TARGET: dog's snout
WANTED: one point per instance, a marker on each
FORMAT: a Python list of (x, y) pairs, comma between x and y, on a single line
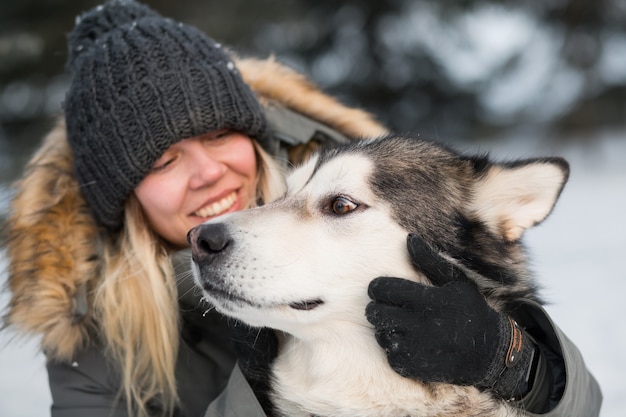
[(207, 240)]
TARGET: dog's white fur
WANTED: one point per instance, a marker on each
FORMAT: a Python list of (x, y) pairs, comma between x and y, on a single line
[(296, 250), (294, 270)]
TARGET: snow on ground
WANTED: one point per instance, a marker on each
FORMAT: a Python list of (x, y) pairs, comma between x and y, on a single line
[(577, 254)]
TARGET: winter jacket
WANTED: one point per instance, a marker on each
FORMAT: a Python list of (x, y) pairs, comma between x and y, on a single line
[(53, 263)]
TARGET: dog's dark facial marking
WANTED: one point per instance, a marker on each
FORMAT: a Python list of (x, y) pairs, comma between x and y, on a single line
[(306, 305), (482, 251)]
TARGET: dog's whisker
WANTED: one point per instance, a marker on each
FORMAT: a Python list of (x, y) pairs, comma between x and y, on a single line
[(191, 290), (207, 311), (258, 333)]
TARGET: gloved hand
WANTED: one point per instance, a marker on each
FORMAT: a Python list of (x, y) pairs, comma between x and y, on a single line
[(447, 332), (256, 349)]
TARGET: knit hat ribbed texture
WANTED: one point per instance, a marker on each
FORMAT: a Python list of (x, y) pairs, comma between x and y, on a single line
[(140, 83)]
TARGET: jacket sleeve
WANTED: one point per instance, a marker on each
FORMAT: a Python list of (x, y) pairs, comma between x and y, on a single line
[(84, 387), (573, 391), (237, 399)]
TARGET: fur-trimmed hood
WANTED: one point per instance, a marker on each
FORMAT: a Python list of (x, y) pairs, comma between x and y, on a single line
[(52, 241)]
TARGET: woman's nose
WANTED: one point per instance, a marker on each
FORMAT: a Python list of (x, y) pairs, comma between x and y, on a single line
[(205, 169)]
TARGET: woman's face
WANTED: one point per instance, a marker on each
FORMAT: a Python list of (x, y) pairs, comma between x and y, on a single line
[(197, 179)]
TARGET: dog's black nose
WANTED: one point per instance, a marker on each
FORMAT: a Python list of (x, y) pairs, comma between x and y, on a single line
[(207, 240)]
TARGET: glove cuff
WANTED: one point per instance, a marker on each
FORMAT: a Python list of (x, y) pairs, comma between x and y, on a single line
[(508, 376)]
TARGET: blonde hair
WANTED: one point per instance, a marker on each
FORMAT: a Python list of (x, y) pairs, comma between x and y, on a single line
[(137, 301)]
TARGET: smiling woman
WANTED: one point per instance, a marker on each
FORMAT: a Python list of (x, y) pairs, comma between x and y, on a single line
[(97, 221), (110, 203), (201, 177)]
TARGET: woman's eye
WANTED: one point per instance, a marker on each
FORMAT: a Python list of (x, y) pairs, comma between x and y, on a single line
[(223, 133), (218, 135), (161, 164), (341, 205)]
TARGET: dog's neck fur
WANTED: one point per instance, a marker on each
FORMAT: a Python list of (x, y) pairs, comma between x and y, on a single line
[(332, 357), (343, 362)]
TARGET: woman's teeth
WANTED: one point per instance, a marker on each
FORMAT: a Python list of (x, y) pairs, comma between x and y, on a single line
[(218, 207)]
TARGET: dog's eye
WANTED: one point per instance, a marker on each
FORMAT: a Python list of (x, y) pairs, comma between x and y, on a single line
[(341, 205)]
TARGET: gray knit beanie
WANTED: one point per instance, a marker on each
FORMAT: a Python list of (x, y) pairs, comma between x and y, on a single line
[(141, 82)]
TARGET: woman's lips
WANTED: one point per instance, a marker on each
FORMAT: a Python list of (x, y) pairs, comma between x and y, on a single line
[(218, 207)]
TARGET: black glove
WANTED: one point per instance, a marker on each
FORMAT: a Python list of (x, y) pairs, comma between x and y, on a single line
[(447, 332), (256, 349)]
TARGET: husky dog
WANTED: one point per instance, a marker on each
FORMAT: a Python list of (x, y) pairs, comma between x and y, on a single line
[(302, 265)]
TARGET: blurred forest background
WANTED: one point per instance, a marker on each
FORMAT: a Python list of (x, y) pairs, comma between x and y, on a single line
[(456, 70)]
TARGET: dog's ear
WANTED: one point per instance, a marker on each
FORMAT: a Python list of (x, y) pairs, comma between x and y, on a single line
[(512, 197)]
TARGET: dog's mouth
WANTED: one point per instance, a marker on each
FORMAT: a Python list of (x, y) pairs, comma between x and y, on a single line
[(306, 305), (218, 293)]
